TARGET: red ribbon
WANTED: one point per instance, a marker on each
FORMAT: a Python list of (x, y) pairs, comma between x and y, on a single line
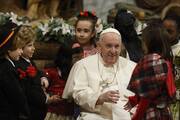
[(22, 74), (170, 81), (31, 71)]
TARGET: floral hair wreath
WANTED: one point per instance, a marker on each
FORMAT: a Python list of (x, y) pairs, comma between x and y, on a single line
[(87, 14)]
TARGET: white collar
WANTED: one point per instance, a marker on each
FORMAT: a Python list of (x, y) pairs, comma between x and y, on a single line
[(27, 60), (10, 61)]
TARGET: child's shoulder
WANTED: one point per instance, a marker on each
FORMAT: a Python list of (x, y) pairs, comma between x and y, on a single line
[(6, 66), (21, 64)]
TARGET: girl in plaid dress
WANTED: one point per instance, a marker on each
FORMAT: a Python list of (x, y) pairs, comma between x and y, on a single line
[(152, 79)]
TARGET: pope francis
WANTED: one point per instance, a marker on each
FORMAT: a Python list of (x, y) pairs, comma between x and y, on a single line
[(98, 83)]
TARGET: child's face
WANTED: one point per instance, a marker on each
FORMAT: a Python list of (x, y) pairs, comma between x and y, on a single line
[(28, 50), (76, 57), (15, 54), (171, 27), (84, 32)]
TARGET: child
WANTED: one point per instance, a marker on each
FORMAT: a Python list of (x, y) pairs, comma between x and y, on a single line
[(31, 77), (124, 23), (152, 79), (61, 110), (172, 23), (85, 32), (13, 103)]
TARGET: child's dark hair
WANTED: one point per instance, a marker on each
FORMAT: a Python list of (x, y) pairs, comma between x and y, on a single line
[(64, 60), (8, 32), (124, 23), (156, 39), (175, 18), (86, 15), (77, 50)]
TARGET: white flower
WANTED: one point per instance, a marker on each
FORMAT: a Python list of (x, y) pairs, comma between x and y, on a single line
[(52, 19), (66, 29), (14, 18), (57, 29), (99, 25), (44, 28)]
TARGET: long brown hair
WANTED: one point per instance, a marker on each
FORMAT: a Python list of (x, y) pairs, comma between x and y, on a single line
[(156, 39)]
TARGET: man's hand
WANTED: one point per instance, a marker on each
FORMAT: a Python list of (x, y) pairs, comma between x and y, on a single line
[(109, 96)]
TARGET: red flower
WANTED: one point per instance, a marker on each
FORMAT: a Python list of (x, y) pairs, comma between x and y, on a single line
[(81, 13), (31, 71), (86, 13), (22, 74), (93, 12)]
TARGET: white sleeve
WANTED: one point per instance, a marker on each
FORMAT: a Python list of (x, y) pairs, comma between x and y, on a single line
[(67, 93), (83, 94)]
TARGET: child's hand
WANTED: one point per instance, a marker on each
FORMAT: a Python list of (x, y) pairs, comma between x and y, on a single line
[(128, 106), (44, 82), (54, 99)]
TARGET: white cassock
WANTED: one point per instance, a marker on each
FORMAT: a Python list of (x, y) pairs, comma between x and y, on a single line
[(176, 49), (85, 83)]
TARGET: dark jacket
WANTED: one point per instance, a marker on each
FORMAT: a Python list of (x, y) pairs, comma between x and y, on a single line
[(13, 103), (33, 90)]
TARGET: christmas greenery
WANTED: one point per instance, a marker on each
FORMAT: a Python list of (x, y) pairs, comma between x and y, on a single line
[(55, 29)]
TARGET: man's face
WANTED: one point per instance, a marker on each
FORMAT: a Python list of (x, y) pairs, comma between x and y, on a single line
[(110, 48)]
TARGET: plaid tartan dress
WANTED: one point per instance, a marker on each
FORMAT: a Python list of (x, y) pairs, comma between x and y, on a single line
[(149, 81)]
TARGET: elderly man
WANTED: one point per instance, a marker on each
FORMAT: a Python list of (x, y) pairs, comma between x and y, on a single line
[(100, 81)]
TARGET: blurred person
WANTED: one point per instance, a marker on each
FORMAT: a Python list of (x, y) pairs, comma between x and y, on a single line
[(152, 80), (124, 23)]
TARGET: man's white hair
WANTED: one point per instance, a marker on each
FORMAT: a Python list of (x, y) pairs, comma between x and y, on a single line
[(110, 30)]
